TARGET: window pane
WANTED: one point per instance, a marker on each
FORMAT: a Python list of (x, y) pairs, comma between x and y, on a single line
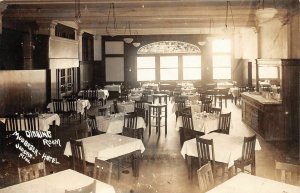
[(145, 62), (268, 72), (221, 73), (169, 74), (192, 74), (191, 61), (221, 61), (145, 74), (168, 62), (221, 46)]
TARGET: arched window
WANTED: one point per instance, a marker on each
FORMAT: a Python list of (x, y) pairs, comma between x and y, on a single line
[(168, 57)]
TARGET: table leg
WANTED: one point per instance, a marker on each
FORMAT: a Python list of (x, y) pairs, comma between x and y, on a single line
[(189, 165), (136, 163)]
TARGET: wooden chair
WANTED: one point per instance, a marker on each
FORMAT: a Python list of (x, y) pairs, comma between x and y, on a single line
[(205, 178), (206, 106), (102, 111), (71, 110), (12, 123), (78, 158), (31, 122), (139, 108), (93, 97), (187, 134), (130, 121), (180, 104), (216, 110), (92, 125), (224, 123), (102, 170), (206, 153), (85, 94), (248, 155), (58, 106), (31, 172), (288, 173), (82, 133), (187, 121), (90, 188), (137, 133), (115, 107)]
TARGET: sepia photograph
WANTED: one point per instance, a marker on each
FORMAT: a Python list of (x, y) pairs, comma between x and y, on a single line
[(149, 96)]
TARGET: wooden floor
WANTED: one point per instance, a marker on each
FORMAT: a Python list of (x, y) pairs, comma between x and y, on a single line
[(162, 168)]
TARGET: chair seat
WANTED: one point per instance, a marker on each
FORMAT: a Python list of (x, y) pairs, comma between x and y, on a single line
[(239, 162)]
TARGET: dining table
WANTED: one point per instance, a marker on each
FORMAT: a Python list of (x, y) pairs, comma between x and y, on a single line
[(45, 120), (227, 148), (134, 97), (58, 183), (247, 183), (114, 123), (82, 105), (109, 146), (203, 122), (113, 88), (152, 86), (101, 93), (125, 107)]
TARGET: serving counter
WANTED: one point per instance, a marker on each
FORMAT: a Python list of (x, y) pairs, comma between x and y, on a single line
[(264, 116)]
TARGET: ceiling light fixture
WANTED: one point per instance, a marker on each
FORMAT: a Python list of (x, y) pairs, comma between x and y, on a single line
[(136, 43), (77, 11), (111, 9), (265, 14), (128, 40), (228, 6)]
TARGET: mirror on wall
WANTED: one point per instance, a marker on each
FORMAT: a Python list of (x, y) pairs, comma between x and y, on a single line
[(268, 76)]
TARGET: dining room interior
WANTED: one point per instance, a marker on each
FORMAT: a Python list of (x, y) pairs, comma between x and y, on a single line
[(151, 96)]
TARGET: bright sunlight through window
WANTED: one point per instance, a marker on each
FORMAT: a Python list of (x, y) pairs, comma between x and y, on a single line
[(191, 67), (221, 59), (169, 68), (145, 68)]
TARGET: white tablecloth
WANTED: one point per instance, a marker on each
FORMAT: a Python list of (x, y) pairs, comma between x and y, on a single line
[(137, 91), (234, 91), (114, 125), (58, 183), (227, 147), (201, 123), (191, 97), (246, 183), (188, 89), (126, 107), (113, 87), (102, 94), (152, 85), (81, 105), (107, 146), (45, 120), (135, 97), (224, 85), (186, 84)]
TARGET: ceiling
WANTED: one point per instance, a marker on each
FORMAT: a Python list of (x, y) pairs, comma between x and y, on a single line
[(142, 16)]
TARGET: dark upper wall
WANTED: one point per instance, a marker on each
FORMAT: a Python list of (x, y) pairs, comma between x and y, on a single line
[(130, 54), (11, 49), (22, 90)]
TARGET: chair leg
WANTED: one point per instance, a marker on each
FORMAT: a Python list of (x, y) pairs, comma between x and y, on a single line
[(119, 168), (253, 170)]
